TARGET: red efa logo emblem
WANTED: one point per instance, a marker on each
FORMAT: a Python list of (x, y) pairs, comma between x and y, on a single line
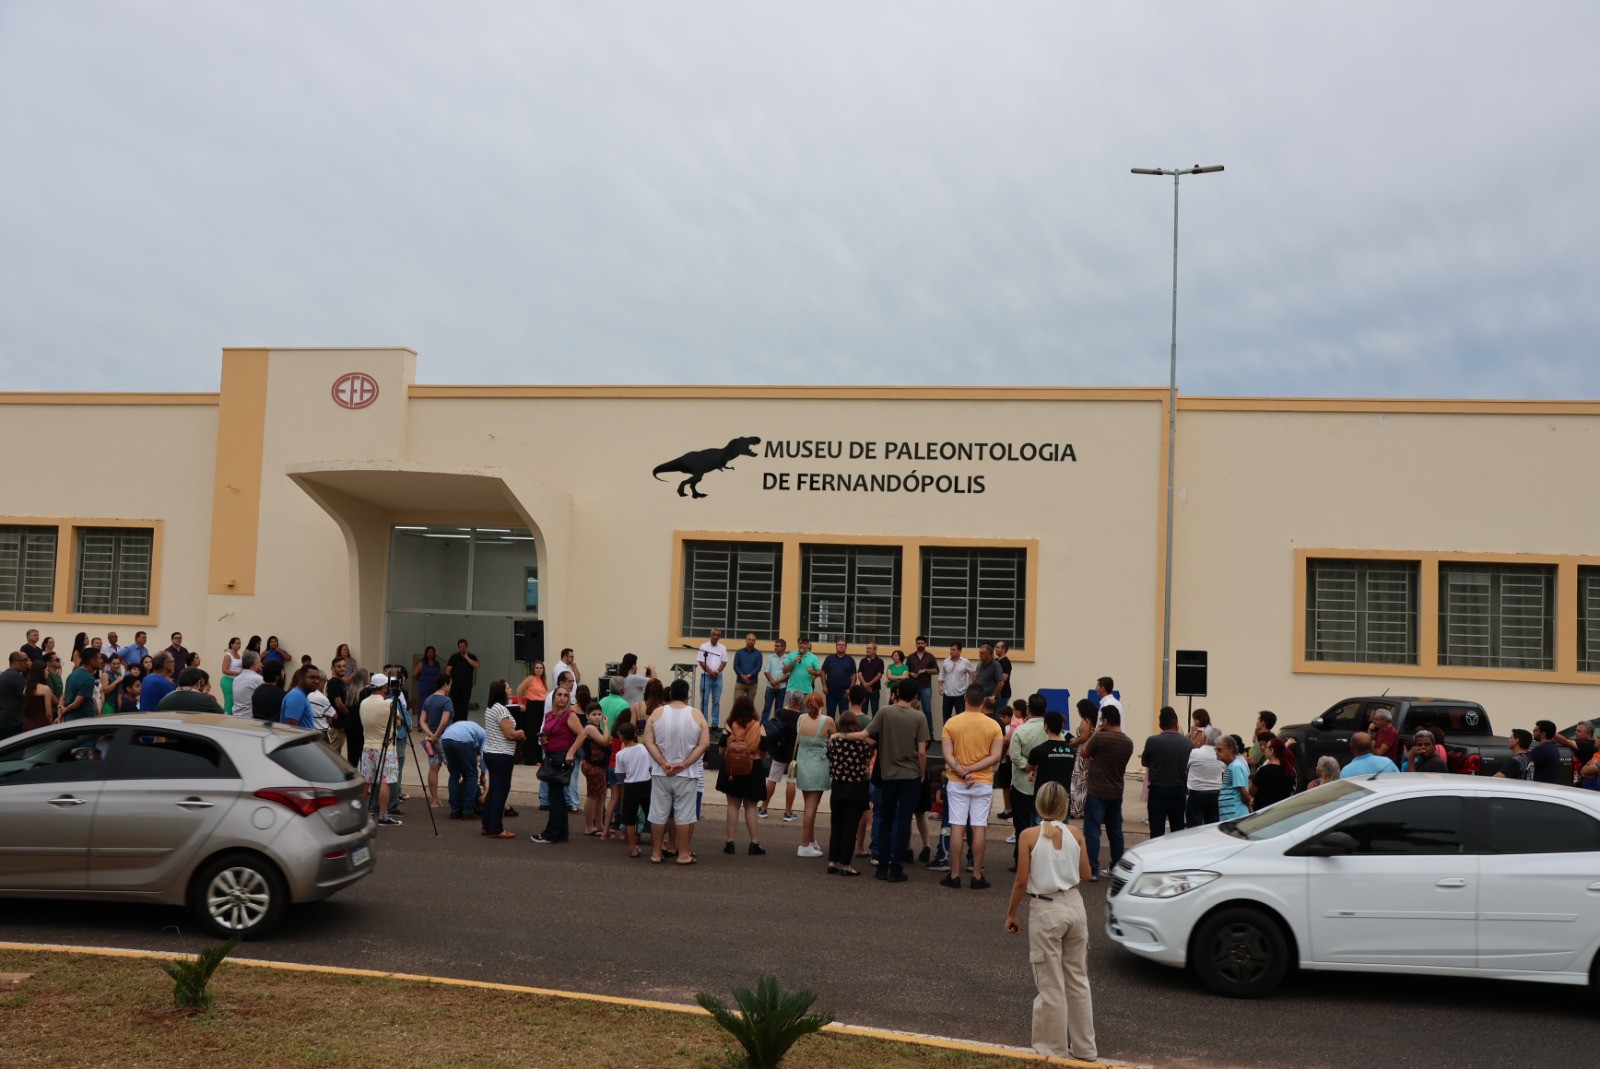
[(355, 389)]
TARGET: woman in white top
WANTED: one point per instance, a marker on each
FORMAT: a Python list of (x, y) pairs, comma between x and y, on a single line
[(501, 736), (230, 668), (1051, 862)]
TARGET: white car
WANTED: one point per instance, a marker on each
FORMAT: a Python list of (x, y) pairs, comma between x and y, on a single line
[(1434, 875)]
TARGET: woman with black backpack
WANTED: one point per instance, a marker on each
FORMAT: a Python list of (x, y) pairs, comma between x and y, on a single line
[(741, 779)]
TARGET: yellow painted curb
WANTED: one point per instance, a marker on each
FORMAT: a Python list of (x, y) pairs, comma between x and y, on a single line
[(915, 1039)]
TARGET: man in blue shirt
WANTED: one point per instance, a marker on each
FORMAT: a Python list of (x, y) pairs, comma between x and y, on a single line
[(1234, 801), (747, 664), (296, 710), (137, 652), (1365, 762), (158, 684), (463, 743), (839, 672)]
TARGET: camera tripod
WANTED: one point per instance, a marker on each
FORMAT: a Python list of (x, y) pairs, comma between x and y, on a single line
[(389, 730)]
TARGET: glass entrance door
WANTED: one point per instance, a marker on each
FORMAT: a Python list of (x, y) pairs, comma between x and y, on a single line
[(452, 583)]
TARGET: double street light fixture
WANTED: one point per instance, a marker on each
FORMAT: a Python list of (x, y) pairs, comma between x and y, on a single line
[(1172, 417)]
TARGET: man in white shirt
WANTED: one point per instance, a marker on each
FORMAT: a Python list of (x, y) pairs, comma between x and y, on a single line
[(712, 659), (245, 684), (677, 737), (565, 666), (1205, 779), (1103, 688), (955, 676)]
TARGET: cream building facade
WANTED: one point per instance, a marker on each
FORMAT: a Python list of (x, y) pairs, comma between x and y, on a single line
[(1323, 548)]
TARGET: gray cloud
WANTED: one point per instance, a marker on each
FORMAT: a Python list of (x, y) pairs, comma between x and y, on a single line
[(820, 192)]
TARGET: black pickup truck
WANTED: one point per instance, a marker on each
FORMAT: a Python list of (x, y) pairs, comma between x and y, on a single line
[(1471, 746)]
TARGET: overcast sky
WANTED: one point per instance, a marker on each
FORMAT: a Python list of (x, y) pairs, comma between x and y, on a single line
[(807, 192)]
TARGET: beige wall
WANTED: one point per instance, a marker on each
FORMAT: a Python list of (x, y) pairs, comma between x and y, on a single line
[(1091, 618), (1257, 481), (1253, 486), (60, 452)]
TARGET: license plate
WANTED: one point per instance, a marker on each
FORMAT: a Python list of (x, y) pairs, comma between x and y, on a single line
[(360, 856)]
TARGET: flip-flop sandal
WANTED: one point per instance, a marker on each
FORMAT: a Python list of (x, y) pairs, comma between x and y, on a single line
[(692, 861), (635, 853), (655, 861), (669, 853), (591, 833)]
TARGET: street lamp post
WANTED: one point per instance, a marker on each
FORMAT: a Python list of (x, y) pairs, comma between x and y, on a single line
[(1172, 418)]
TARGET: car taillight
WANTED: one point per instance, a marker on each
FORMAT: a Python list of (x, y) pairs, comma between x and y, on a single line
[(1472, 764), (303, 800)]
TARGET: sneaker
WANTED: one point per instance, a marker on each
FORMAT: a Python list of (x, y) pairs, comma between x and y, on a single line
[(925, 854), (396, 811), (1011, 839), (808, 850), (941, 865), (727, 847), (979, 883), (540, 839), (754, 850), (790, 818), (389, 821), (1005, 814), (950, 881), (761, 814), (881, 874), (574, 809), (1103, 874), (898, 877), (510, 812)]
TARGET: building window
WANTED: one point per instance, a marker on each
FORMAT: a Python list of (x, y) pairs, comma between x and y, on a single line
[(1589, 619), (114, 571), (972, 596), (850, 593), (1497, 616), (28, 569), (733, 587), (1362, 611)]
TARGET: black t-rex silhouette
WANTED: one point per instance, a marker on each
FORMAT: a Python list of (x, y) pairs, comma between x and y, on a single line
[(700, 463)]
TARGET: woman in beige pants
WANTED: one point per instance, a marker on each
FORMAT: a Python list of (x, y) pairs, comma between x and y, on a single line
[(1051, 862)]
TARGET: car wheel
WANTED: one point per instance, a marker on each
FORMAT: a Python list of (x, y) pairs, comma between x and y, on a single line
[(238, 895), (1240, 953)]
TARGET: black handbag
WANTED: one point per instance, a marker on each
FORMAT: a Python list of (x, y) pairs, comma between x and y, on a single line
[(555, 770)]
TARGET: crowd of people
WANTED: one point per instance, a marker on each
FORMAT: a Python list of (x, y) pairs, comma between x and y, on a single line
[(634, 760)]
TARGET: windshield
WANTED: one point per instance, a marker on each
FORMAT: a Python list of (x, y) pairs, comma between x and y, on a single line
[(1295, 811)]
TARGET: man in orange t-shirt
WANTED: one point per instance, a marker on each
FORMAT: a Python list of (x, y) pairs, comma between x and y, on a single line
[(972, 744)]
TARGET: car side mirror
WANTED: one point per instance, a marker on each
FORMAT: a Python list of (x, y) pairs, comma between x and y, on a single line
[(1330, 844), (1320, 723)]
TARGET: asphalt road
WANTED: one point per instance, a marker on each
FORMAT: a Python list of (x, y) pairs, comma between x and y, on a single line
[(916, 957)]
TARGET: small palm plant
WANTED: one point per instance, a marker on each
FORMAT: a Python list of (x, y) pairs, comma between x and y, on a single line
[(769, 1020), (190, 976)]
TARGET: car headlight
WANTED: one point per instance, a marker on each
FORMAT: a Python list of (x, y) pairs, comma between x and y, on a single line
[(1170, 884)]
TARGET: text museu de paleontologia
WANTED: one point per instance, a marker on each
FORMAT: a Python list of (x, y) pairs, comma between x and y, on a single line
[(912, 480)]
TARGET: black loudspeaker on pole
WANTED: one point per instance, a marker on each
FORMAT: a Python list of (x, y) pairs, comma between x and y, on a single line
[(1191, 673), (527, 640)]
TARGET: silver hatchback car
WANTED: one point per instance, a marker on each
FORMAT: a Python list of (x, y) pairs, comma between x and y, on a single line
[(234, 818)]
